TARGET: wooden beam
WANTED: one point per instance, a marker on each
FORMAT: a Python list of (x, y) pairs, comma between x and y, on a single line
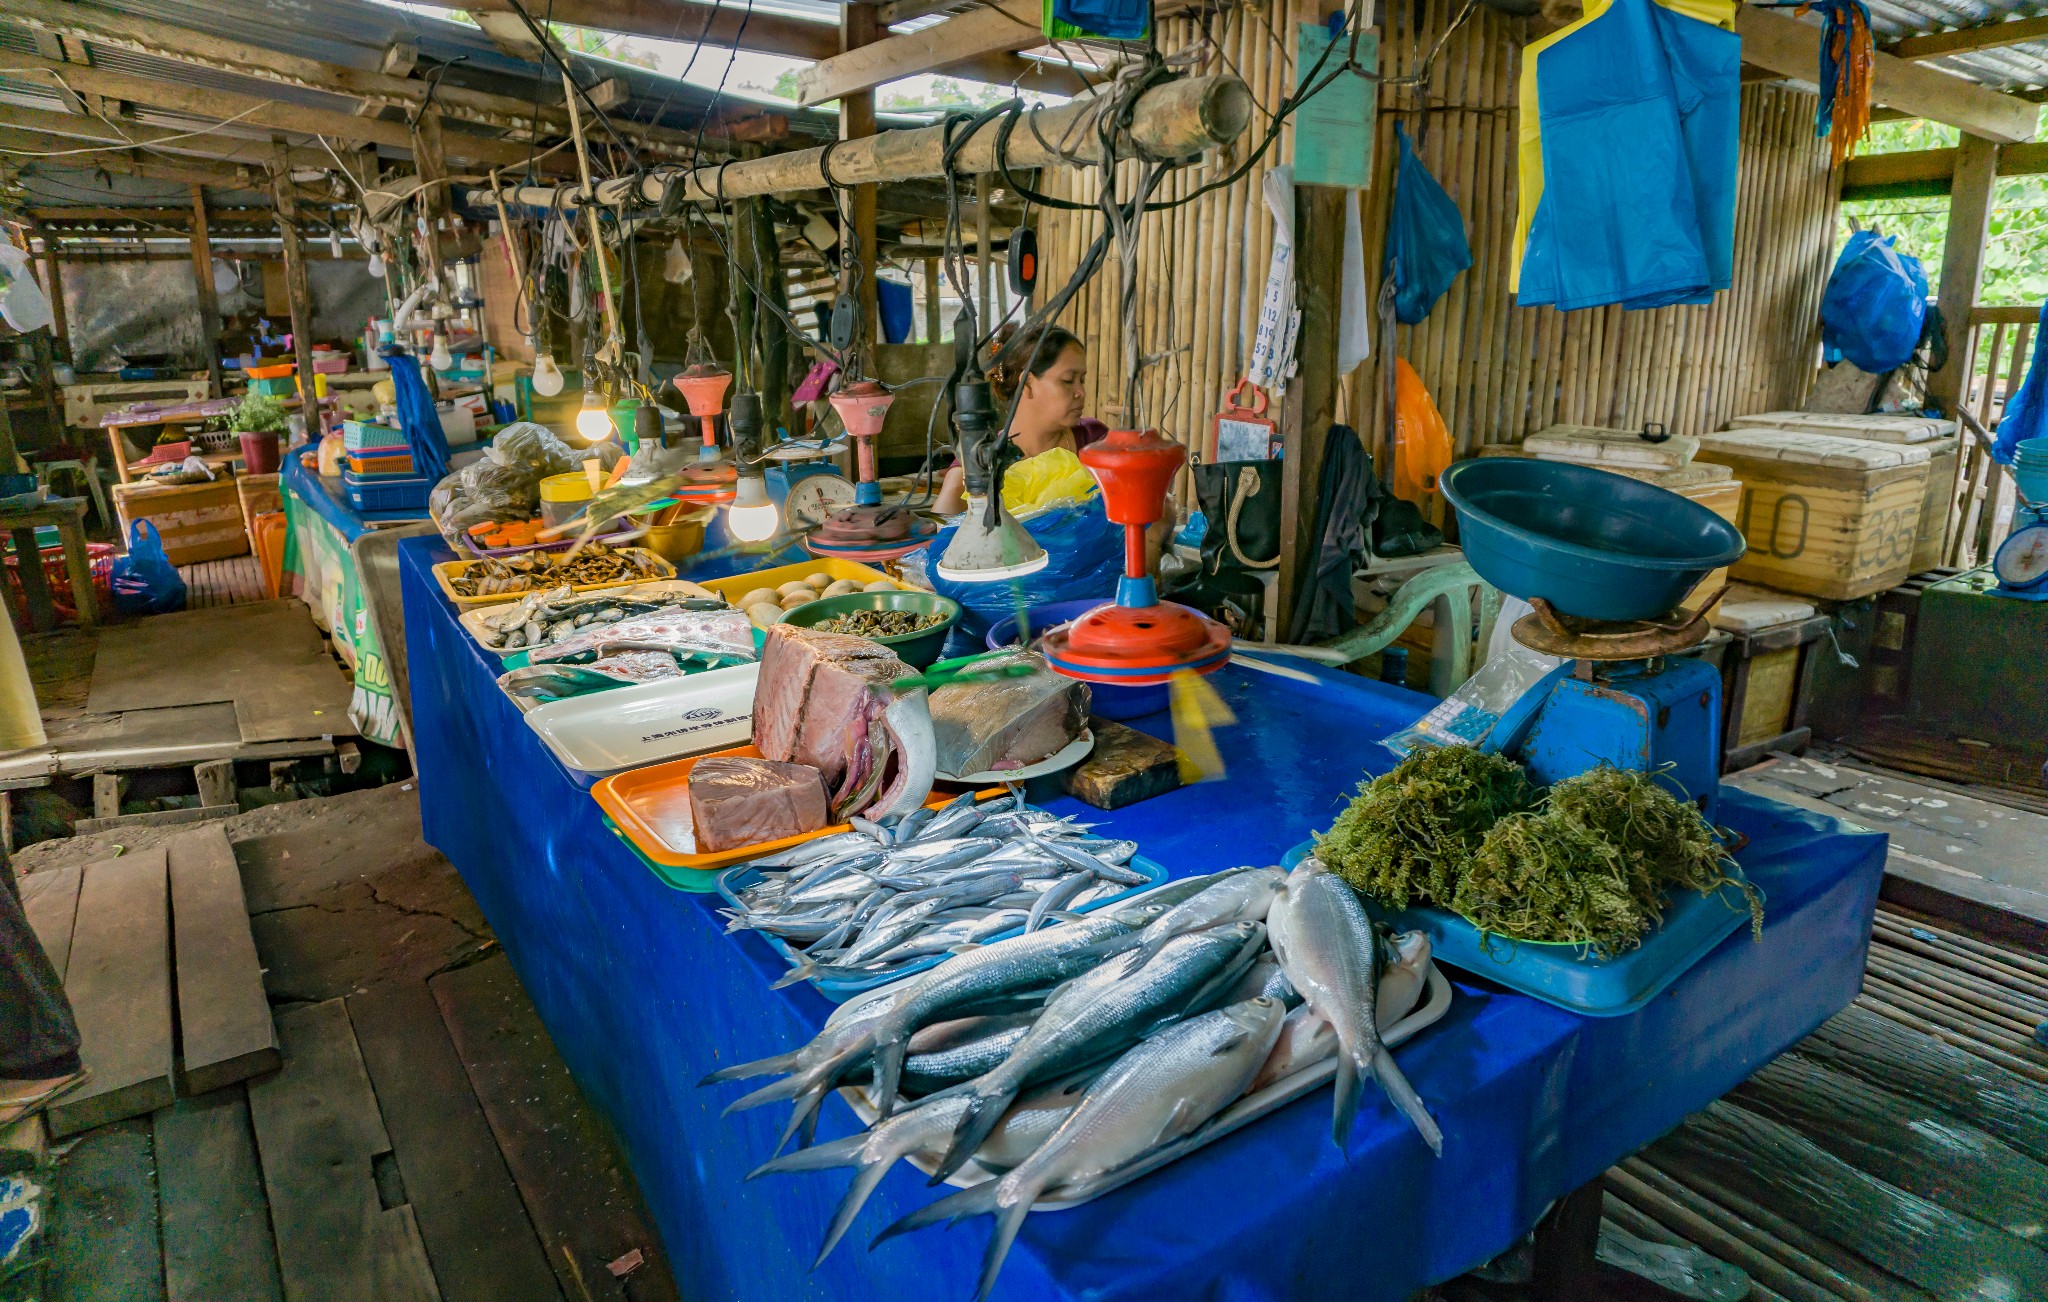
[(1312, 395), (296, 288), (1174, 120), (904, 11), (1968, 40), (1962, 265), (53, 285), (273, 115), (123, 163), (994, 29), (1791, 48), (209, 300), (126, 133), (860, 26), (1928, 171)]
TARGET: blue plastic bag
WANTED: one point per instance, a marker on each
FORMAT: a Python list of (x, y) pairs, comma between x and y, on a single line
[(144, 582), (1426, 244), (2026, 412), (1085, 558), (418, 418), (1875, 304)]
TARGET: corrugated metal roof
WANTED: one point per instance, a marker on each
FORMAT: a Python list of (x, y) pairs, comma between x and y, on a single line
[(2012, 67)]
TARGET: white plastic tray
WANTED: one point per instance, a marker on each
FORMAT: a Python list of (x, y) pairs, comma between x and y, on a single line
[(1435, 1002), (1065, 757), (625, 728)]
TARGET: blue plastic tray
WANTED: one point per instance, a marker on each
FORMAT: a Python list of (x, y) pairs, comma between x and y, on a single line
[(378, 493), (736, 879), (1558, 974)]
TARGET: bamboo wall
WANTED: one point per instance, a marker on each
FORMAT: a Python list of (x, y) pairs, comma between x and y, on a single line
[(1497, 371)]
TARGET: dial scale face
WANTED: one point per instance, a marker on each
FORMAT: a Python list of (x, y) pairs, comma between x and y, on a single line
[(2022, 560), (814, 497)]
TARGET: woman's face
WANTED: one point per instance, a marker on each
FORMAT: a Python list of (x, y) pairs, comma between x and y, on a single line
[(1060, 396)]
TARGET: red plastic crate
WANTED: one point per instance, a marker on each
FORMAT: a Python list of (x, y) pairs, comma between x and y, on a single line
[(58, 578)]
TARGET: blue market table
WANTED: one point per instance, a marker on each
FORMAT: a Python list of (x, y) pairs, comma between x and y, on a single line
[(644, 993)]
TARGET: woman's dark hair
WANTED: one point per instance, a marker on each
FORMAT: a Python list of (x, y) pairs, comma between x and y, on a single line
[(1012, 352)]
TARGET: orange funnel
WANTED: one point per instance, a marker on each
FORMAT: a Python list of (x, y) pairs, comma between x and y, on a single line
[(703, 388), (863, 407)]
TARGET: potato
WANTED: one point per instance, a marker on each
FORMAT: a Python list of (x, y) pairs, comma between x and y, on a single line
[(842, 587), (800, 597), (757, 597), (881, 585), (820, 580), (764, 613), (795, 586)]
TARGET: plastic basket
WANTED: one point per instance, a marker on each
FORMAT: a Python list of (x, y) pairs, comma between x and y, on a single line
[(402, 493), (57, 577), (380, 465), (362, 436)]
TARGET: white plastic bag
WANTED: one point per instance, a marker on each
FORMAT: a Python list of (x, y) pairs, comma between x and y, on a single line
[(1466, 717)]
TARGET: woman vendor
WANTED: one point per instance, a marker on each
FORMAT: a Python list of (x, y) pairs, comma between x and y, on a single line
[(1043, 372)]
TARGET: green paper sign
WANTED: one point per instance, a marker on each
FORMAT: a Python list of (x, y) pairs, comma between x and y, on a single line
[(1333, 130)]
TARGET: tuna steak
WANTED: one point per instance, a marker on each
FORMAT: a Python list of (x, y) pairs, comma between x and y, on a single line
[(737, 802), (1007, 722), (823, 699)]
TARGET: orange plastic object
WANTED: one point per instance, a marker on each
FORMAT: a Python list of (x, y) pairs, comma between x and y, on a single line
[(651, 808), (380, 463), (273, 372), (1422, 443), (269, 530)]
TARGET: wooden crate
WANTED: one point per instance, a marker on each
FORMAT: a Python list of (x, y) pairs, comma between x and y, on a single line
[(1825, 517), (259, 494), (85, 403), (1930, 540), (199, 522)]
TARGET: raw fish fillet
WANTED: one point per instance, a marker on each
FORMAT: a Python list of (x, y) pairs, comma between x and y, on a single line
[(738, 802), (1007, 722)]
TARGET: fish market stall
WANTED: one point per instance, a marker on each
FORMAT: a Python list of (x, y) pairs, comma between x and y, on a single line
[(645, 993)]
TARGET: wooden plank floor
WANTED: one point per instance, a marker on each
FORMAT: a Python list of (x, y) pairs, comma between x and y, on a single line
[(236, 581), (381, 1119)]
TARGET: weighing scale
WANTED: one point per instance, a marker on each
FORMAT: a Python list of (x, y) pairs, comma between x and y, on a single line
[(1138, 639), (1604, 560), (2021, 562), (866, 530)]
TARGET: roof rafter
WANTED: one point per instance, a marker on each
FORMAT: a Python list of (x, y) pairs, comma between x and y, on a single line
[(1968, 40)]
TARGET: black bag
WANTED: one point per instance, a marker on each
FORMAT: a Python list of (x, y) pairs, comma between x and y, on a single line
[(1241, 503)]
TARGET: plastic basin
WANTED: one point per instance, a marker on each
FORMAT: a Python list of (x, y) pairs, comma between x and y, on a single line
[(917, 649), (1111, 702), (1590, 542)]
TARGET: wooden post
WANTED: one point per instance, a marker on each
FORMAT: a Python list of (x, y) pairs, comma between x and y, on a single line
[(296, 289), (934, 324), (984, 301), (209, 300), (860, 24), (53, 285), (1312, 396), (1962, 265), (430, 158)]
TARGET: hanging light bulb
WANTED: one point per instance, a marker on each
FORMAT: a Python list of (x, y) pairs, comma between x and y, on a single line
[(752, 517), (440, 359), (377, 265), (594, 423), (547, 377)]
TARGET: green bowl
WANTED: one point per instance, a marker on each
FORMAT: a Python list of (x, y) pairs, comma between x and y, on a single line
[(918, 649)]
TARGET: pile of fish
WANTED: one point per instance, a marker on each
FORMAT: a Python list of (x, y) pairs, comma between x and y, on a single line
[(1059, 1058), (525, 571), (891, 897), (548, 618)]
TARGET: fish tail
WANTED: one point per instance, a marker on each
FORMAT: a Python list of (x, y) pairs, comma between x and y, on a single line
[(984, 1110), (786, 1088), (864, 1181), (1405, 1098), (804, 1116), (1349, 1086), (775, 1065), (1008, 1221), (840, 1152), (888, 1074), (971, 1201), (803, 971)]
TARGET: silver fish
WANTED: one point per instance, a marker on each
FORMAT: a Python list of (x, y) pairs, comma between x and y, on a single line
[(1163, 1089), (1100, 1013), (1307, 1039), (1327, 946), (1242, 896)]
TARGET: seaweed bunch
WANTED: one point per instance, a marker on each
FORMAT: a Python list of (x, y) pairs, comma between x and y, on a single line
[(1595, 865), (1409, 835)]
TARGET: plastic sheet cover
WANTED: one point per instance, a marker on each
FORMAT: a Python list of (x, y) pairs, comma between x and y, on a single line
[(644, 994)]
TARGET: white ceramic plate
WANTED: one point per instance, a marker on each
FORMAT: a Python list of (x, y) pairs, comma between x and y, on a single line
[(628, 727), (1065, 758)]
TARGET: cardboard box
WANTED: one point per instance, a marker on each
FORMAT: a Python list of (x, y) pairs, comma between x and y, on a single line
[(198, 522), (1825, 517), (1930, 539), (259, 494)]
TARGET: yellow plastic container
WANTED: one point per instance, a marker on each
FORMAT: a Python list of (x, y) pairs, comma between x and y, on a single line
[(739, 585), (562, 496)]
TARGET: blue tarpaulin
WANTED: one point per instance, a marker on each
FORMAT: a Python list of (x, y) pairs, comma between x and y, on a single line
[(1639, 110), (644, 993)]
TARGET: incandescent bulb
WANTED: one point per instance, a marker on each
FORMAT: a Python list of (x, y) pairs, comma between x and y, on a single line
[(547, 377), (594, 423), (377, 265), (752, 517), (440, 359)]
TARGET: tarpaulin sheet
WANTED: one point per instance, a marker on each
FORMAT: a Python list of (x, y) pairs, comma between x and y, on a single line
[(644, 993), (302, 480)]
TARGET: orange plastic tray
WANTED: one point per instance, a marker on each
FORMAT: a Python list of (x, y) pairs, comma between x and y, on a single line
[(650, 807)]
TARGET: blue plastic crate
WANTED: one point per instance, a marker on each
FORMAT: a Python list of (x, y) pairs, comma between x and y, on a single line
[(737, 878), (362, 436), (386, 492), (1563, 975)]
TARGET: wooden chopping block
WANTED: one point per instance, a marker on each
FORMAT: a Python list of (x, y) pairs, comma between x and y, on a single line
[(1125, 767)]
